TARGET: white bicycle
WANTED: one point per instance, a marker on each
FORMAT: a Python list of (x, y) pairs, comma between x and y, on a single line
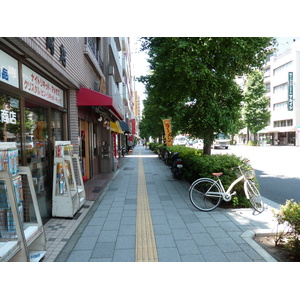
[(206, 194)]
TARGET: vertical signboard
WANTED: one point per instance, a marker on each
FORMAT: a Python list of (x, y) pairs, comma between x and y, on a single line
[(290, 92), (168, 131)]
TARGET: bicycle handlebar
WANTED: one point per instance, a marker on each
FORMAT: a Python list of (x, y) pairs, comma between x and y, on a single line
[(244, 162)]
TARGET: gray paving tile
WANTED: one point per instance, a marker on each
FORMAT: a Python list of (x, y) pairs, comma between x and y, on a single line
[(208, 222), (229, 226), (192, 258), (176, 223), (217, 232), (187, 247), (86, 243), (190, 218), (92, 230), (196, 227), (108, 236), (161, 229), (250, 252), (127, 230), (238, 257), (164, 240), (203, 239), (227, 244), (111, 225), (79, 256), (125, 242), (181, 234), (159, 220), (103, 250), (128, 220), (124, 255), (213, 254), (168, 255)]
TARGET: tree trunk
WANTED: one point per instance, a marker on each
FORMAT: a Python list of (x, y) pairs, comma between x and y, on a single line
[(207, 148)]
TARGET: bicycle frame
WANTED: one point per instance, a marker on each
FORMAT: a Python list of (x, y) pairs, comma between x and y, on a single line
[(227, 195)]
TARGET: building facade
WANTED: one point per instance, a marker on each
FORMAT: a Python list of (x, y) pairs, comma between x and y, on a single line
[(65, 89), (282, 75)]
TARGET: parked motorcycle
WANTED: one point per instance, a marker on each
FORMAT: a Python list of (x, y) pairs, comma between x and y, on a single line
[(176, 165)]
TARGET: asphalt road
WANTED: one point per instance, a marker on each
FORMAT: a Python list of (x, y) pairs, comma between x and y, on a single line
[(277, 169)]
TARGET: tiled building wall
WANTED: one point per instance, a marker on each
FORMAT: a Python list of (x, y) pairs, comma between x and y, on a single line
[(78, 67)]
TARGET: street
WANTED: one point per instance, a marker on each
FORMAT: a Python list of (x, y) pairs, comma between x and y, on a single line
[(277, 169)]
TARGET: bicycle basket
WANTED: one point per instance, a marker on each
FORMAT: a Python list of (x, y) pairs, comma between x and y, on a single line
[(249, 174)]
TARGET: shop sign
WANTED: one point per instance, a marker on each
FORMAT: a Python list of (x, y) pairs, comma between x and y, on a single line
[(168, 131), (290, 92), (63, 53), (37, 85), (8, 69), (8, 117)]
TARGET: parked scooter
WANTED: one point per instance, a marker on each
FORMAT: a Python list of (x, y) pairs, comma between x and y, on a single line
[(176, 165)]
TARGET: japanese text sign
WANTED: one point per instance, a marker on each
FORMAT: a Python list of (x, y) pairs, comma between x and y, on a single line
[(37, 85), (168, 131)]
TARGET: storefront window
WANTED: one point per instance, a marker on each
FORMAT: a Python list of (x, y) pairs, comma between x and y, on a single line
[(57, 125), (10, 130), (37, 135)]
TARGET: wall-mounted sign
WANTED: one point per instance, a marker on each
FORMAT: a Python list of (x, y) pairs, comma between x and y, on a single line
[(37, 85), (50, 44), (8, 69), (290, 92)]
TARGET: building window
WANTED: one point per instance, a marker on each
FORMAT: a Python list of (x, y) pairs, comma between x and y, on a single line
[(283, 123), (281, 69), (280, 88), (280, 106), (94, 44)]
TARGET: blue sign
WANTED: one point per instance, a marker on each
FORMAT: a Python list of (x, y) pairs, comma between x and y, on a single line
[(290, 92), (4, 74)]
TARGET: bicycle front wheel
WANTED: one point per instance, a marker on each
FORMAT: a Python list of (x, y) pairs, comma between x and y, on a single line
[(205, 194), (255, 198)]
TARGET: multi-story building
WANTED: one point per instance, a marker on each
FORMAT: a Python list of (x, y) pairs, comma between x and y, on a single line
[(74, 89), (282, 77)]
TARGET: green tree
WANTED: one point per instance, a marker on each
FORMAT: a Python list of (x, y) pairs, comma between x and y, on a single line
[(256, 113), (193, 78)]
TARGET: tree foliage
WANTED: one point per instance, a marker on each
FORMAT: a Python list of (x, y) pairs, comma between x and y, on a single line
[(257, 115), (193, 81)]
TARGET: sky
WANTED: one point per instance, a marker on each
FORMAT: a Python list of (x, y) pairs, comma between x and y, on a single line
[(139, 65)]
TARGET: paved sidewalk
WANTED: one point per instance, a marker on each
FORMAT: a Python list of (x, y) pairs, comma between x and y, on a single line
[(182, 233)]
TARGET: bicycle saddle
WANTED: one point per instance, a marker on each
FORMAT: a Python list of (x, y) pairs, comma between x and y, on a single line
[(217, 174)]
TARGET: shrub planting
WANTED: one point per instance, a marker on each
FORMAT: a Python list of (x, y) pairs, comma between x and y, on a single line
[(197, 165)]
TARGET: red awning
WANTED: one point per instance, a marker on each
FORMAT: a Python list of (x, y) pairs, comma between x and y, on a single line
[(87, 97)]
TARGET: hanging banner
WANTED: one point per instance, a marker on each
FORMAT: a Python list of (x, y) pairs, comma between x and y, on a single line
[(290, 92), (168, 131)]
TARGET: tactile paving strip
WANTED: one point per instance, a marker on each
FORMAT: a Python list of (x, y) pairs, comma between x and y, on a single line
[(145, 240)]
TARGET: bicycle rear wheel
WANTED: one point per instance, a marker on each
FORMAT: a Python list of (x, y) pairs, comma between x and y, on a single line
[(255, 198), (205, 194)]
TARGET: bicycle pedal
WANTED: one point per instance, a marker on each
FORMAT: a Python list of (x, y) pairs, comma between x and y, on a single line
[(234, 193)]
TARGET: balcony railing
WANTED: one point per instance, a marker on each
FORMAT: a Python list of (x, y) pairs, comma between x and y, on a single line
[(92, 44)]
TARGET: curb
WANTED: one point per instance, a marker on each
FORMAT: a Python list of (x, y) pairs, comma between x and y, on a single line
[(249, 235)]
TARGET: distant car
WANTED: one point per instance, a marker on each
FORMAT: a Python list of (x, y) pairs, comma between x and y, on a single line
[(198, 144), (180, 140), (222, 141)]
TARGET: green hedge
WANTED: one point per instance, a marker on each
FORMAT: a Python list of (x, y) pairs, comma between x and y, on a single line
[(197, 165)]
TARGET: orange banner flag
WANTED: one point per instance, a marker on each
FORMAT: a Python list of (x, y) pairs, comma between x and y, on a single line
[(168, 131)]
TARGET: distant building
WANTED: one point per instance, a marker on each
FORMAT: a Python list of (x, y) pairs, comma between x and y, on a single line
[(282, 79)]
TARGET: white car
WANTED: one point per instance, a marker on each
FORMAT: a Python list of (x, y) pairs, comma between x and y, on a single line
[(198, 144)]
